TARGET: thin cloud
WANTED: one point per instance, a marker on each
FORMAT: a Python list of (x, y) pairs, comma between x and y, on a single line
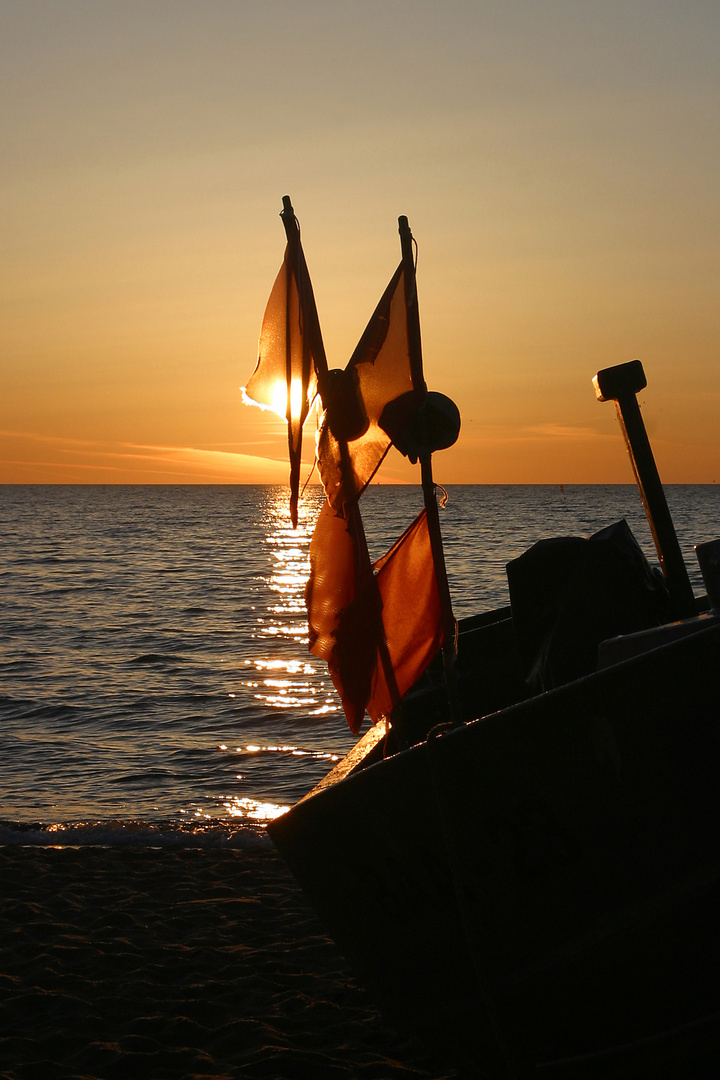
[(560, 431), (85, 458), (535, 432)]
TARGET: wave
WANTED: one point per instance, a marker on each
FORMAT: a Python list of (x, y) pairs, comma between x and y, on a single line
[(139, 834)]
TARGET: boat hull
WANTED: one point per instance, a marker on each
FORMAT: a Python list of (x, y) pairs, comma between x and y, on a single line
[(536, 893)]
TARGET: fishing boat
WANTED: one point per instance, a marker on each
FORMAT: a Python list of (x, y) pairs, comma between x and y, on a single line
[(521, 856)]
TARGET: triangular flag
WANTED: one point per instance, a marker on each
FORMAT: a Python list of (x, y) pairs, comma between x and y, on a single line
[(352, 441)]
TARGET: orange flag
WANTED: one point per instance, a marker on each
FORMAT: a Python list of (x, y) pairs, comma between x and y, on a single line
[(352, 441), (290, 355), (375, 643)]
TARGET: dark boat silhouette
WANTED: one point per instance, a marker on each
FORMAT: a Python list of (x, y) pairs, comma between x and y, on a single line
[(522, 859)]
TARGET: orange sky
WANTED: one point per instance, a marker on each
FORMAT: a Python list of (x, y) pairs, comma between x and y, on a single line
[(558, 163)]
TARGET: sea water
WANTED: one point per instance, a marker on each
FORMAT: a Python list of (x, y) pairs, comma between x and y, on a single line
[(155, 681)]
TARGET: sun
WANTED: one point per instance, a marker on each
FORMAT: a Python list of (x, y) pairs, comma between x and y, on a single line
[(279, 398), (274, 397)]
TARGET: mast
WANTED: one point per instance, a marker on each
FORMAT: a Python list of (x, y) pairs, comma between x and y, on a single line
[(449, 624)]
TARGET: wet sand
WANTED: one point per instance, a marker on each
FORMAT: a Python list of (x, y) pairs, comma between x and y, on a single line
[(142, 964)]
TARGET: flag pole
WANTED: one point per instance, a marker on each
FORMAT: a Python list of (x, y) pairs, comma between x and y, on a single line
[(313, 350), (292, 232), (449, 649)]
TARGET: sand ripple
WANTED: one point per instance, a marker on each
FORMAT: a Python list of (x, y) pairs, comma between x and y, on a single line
[(135, 964)]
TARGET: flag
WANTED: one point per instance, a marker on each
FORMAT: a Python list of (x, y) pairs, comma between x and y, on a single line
[(375, 643), (352, 440), (290, 356)]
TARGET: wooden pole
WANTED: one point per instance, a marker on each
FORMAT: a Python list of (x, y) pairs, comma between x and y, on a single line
[(621, 384), (292, 232), (428, 484)]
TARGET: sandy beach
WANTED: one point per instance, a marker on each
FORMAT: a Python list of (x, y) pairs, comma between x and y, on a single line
[(151, 963)]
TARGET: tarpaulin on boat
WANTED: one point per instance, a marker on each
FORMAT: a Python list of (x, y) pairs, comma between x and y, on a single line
[(375, 642), (570, 593)]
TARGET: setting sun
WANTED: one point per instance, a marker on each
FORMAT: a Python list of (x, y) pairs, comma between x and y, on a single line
[(280, 398)]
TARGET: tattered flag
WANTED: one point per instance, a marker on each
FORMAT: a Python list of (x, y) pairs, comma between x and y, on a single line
[(352, 441), (376, 645), (290, 357)]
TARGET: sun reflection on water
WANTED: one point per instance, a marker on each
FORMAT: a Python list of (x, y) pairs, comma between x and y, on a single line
[(282, 692), (281, 674), (284, 748), (237, 806), (253, 809)]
